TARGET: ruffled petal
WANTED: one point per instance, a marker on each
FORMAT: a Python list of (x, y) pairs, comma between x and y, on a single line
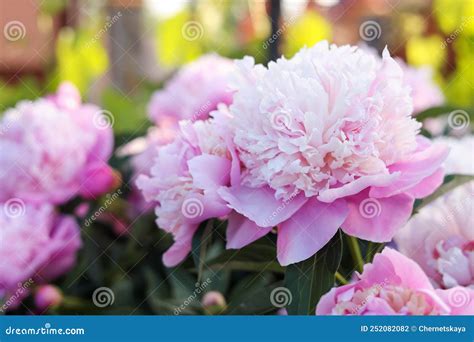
[(309, 229), (209, 171), (421, 165)]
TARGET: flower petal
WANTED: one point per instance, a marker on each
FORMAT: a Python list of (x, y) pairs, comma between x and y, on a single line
[(260, 205), (421, 165), (242, 232), (209, 171), (377, 219), (309, 229)]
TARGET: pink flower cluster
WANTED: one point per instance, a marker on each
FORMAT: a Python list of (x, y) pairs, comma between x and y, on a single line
[(51, 150), (322, 141)]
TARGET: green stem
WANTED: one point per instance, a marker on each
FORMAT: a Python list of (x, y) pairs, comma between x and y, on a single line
[(341, 278), (355, 251)]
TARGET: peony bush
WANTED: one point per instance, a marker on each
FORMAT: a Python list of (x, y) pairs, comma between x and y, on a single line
[(255, 190)]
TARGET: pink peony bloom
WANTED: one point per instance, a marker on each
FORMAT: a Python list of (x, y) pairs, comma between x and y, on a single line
[(184, 180), (193, 92), (36, 243), (424, 91), (143, 152), (54, 148), (326, 140), (395, 285), (440, 237)]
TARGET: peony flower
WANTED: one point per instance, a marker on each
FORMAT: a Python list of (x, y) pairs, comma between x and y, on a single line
[(184, 180), (424, 91), (326, 140), (143, 151), (54, 148), (193, 92), (36, 243), (395, 285), (440, 237)]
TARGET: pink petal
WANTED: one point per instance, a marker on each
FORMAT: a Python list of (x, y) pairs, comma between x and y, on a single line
[(459, 299), (356, 186), (428, 185), (98, 179), (209, 171), (197, 208), (182, 246), (259, 204), (421, 165), (411, 275), (242, 232), (377, 219), (309, 229)]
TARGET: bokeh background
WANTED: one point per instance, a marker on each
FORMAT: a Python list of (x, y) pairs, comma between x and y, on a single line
[(117, 52)]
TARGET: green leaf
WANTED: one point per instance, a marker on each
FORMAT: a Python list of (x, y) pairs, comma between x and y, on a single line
[(258, 256), (308, 280), (435, 112), (200, 245), (256, 301), (450, 182)]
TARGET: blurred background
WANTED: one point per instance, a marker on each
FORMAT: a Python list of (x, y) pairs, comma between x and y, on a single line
[(118, 51)]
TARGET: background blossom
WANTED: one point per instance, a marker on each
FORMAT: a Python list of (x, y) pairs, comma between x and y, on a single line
[(39, 244), (53, 149), (393, 285), (440, 237)]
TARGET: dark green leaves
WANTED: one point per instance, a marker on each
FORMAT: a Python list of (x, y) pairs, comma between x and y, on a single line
[(310, 279)]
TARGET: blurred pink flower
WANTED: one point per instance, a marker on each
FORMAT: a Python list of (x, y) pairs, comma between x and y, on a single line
[(183, 183), (440, 237), (326, 140), (193, 92), (395, 285), (55, 148), (424, 91), (36, 243)]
